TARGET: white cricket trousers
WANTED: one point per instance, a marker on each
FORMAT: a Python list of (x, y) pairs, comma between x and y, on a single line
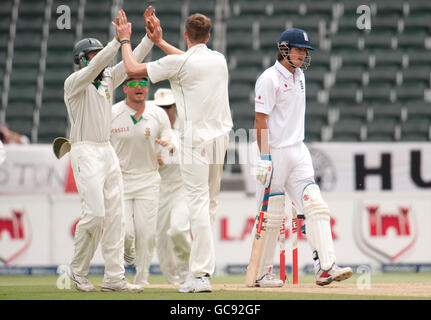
[(141, 194), (202, 170), (292, 170), (173, 232), (98, 179)]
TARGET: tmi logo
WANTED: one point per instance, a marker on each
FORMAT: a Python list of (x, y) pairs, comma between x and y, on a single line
[(385, 231), (15, 235), (13, 225), (381, 222)]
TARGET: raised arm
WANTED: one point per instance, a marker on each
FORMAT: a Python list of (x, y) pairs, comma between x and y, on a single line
[(79, 80), (155, 33), (141, 51), (124, 31)]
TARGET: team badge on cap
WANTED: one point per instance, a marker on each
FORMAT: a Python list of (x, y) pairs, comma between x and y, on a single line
[(305, 36)]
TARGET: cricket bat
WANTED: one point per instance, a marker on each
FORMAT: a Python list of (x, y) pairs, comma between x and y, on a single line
[(258, 241)]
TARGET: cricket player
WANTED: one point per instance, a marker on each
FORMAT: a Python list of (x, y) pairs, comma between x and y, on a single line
[(138, 129), (87, 95), (279, 124), (173, 225), (199, 81)]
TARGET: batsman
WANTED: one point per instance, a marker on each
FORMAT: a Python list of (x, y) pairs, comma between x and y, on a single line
[(285, 162)]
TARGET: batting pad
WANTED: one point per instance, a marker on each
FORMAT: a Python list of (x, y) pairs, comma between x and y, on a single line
[(318, 225), (275, 214)]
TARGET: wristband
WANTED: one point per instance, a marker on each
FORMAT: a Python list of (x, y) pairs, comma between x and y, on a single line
[(266, 156), (124, 41)]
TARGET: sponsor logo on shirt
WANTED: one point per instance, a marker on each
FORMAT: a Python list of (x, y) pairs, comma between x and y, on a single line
[(302, 85), (120, 130), (147, 132), (258, 100), (286, 88)]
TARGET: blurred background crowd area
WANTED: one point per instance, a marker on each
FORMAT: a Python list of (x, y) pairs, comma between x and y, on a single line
[(362, 85)]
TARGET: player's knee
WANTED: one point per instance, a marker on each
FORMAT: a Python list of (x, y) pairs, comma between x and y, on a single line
[(276, 206), (312, 201), (90, 222)]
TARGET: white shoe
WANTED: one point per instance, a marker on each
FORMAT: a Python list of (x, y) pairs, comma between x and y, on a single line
[(122, 285), (268, 281), (193, 284), (81, 283), (336, 273)]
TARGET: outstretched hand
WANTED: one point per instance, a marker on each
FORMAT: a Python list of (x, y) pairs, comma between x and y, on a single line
[(124, 28), (152, 25), (147, 14)]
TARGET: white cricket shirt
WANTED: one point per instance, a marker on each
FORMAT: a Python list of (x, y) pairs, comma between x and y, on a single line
[(199, 82), (134, 141), (281, 95), (89, 107)]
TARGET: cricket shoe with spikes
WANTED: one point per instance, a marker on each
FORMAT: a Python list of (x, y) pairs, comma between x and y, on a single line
[(122, 285), (81, 283), (196, 284), (336, 273), (269, 281)]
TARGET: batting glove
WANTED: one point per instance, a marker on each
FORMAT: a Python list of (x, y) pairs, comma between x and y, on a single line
[(264, 169)]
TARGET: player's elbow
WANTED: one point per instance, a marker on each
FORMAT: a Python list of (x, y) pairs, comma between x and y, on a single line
[(131, 73), (135, 71), (260, 121)]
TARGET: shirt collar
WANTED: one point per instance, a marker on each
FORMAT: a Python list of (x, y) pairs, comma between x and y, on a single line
[(196, 46), (133, 111), (283, 70)]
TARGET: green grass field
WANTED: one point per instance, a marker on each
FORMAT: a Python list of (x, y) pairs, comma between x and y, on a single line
[(44, 288)]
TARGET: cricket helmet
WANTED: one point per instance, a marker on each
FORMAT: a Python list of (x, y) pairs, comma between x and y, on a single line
[(84, 46), (298, 38)]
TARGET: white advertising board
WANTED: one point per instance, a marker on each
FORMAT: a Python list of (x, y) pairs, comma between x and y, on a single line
[(368, 228)]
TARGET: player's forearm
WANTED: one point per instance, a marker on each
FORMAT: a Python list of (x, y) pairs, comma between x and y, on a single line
[(140, 52), (262, 134), (133, 68), (168, 48)]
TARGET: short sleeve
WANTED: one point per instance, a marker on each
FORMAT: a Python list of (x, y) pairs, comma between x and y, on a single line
[(164, 68), (265, 95)]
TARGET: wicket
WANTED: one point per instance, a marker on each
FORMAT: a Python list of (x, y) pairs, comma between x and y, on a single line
[(294, 233)]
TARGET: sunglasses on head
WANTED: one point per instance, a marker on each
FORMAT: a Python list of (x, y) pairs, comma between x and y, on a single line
[(135, 84)]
